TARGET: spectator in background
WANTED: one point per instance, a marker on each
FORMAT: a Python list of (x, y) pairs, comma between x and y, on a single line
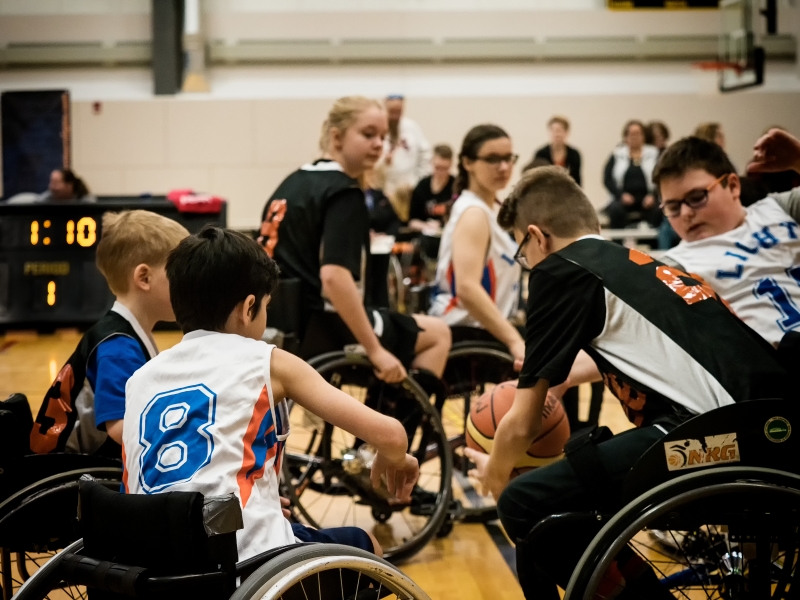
[(628, 178), (657, 134), (433, 193), (406, 153), (382, 216), (557, 152), (64, 186), (711, 132)]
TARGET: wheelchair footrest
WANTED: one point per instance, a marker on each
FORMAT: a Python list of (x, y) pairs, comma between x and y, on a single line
[(102, 574)]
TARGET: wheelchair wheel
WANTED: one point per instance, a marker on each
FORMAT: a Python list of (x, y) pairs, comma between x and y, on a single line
[(45, 584), (328, 571), (324, 472), (38, 521), (728, 533), (472, 369)]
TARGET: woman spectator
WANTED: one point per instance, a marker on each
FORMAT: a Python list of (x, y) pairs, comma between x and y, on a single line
[(711, 132), (557, 152), (477, 278), (628, 178), (657, 134)]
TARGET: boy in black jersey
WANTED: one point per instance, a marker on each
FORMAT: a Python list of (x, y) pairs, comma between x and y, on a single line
[(663, 342)]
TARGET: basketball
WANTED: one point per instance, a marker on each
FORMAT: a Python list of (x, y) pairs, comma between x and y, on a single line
[(487, 412)]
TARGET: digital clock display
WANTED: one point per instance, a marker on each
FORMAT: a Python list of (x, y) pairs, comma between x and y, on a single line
[(48, 275), (82, 232)]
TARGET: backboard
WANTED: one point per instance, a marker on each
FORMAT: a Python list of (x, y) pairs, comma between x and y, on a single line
[(741, 63)]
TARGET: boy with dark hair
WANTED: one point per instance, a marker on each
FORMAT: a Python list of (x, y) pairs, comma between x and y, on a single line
[(662, 341), (209, 414), (750, 256), (83, 409)]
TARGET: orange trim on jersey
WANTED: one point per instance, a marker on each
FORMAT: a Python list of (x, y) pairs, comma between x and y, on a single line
[(124, 470), (244, 478), (639, 257), (451, 279)]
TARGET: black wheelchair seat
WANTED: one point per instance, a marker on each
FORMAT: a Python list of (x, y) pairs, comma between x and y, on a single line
[(757, 433)]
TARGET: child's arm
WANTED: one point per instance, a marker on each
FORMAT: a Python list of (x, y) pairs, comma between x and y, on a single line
[(295, 379), (515, 433)]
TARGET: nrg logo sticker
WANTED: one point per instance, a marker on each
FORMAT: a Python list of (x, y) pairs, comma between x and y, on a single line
[(692, 454)]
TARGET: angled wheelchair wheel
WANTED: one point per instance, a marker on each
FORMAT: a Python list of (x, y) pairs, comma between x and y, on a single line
[(45, 583), (324, 471), (728, 533), (38, 521), (328, 572), (472, 369)]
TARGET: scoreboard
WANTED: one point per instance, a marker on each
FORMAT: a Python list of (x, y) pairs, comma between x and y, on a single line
[(48, 276)]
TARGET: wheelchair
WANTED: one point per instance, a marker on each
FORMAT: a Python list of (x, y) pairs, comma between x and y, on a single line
[(180, 544), (325, 471), (712, 510), (38, 494)]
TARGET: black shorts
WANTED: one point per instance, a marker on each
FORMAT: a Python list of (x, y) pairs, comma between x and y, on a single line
[(326, 332)]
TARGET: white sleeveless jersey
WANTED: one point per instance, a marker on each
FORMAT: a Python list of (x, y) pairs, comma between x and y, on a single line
[(755, 268), (200, 417), (501, 273)]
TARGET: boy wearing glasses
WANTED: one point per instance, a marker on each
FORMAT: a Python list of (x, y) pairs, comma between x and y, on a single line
[(749, 256), (662, 341)]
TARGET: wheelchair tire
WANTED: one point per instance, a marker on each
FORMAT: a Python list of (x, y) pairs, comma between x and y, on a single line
[(300, 573), (472, 368), (718, 531), (46, 580), (328, 489)]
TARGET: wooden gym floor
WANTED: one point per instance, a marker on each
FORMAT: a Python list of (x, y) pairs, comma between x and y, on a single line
[(466, 565)]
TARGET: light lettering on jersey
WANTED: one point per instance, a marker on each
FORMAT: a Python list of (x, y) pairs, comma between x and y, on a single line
[(765, 240)]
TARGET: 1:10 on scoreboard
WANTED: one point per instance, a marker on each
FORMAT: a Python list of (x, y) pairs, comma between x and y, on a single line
[(83, 233)]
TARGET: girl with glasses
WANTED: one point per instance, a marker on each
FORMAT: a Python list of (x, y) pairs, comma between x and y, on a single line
[(477, 279)]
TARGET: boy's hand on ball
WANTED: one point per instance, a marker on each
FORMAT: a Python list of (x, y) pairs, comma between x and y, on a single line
[(481, 473), (399, 477)]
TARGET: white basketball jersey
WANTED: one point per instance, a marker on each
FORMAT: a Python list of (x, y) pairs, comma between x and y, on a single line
[(200, 417), (500, 276), (755, 268)]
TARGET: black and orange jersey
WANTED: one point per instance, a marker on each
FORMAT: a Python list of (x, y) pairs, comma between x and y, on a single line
[(666, 345), (317, 216)]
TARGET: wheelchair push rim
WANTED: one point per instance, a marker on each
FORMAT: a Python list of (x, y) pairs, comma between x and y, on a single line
[(327, 491), (709, 560)]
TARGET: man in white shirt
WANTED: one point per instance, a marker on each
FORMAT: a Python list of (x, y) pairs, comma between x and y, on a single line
[(406, 152), (750, 256)]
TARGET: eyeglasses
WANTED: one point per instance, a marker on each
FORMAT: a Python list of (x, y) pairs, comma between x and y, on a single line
[(695, 199), (495, 160), (519, 257)]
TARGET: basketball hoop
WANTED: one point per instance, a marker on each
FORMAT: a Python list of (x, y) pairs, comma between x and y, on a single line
[(719, 65)]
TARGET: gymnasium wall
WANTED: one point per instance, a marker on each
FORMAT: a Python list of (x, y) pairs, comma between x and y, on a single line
[(241, 147)]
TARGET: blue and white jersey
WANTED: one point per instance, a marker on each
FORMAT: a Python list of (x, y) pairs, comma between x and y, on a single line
[(500, 276), (201, 417), (755, 267)]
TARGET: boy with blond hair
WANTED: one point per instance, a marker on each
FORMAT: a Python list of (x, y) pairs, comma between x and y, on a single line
[(83, 409)]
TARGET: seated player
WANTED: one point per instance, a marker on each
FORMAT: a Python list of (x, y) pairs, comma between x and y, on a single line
[(477, 280), (433, 194), (665, 345), (750, 256), (316, 225), (209, 415), (83, 409)]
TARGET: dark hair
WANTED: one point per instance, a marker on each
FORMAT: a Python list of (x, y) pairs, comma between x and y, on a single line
[(630, 124), (211, 272), (535, 163), (560, 120), (473, 141), (692, 153), (649, 138), (549, 198), (79, 188), (443, 151)]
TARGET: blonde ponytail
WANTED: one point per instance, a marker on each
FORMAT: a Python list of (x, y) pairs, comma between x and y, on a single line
[(343, 114)]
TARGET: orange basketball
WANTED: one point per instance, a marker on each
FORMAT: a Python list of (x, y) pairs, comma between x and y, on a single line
[(486, 413)]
